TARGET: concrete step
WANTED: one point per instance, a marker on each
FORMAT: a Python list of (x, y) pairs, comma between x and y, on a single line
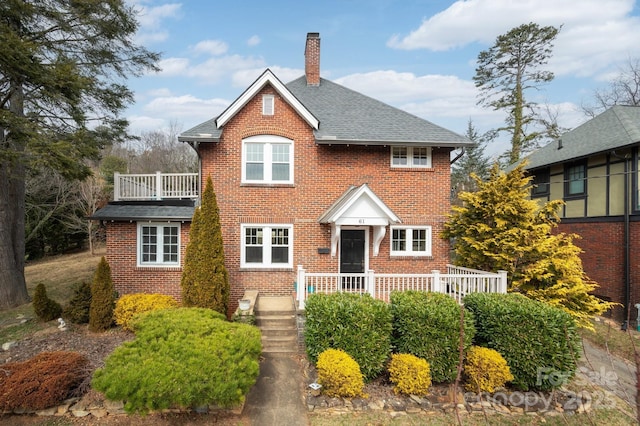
[(288, 344), (276, 318), (263, 320), (279, 332)]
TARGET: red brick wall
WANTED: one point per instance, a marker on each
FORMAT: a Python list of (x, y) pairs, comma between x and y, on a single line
[(603, 259)]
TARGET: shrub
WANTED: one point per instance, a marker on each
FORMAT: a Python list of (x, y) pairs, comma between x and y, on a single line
[(427, 325), (45, 309), (539, 342), (77, 311), (42, 381), (485, 370), (409, 374), (102, 298), (183, 357), (131, 304), (359, 325), (339, 374)]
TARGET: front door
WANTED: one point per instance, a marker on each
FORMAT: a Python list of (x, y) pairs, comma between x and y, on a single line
[(352, 257)]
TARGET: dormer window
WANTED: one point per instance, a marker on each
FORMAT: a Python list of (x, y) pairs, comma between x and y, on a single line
[(267, 104), (411, 156)]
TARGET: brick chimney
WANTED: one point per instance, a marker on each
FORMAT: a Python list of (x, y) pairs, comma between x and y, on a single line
[(312, 59)]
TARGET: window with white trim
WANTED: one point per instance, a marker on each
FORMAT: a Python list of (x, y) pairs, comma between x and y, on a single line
[(267, 104), (266, 246), (411, 156), (411, 241), (267, 159), (158, 244)]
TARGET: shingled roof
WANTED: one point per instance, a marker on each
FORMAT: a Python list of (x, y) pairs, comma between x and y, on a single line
[(616, 128), (348, 117)]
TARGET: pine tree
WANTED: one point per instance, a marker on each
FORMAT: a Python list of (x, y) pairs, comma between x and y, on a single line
[(46, 309), (205, 282), (102, 298), (472, 162), (500, 227)]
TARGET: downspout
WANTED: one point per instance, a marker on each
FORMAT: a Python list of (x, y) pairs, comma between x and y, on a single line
[(627, 243), (457, 157)]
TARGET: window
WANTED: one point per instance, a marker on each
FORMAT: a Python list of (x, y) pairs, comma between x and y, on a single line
[(267, 246), (575, 180), (267, 159), (411, 156), (636, 182), (267, 104), (158, 244), (541, 181), (411, 241)]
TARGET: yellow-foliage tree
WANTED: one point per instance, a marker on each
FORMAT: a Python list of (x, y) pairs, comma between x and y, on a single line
[(500, 227)]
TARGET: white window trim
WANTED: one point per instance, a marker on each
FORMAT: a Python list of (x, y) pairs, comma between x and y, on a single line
[(409, 243), (268, 105), (267, 140), (266, 247), (160, 245), (410, 164)]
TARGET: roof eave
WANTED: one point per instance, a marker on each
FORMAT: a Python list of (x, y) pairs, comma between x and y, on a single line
[(210, 139), (336, 141)]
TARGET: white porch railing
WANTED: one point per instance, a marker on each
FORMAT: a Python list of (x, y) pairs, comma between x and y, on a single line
[(457, 282), (155, 186)]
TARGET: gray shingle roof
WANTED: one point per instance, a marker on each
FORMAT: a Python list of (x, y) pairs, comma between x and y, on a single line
[(349, 117), (617, 127), (144, 211)]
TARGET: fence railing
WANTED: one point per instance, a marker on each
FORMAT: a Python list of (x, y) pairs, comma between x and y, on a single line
[(457, 283), (155, 186)]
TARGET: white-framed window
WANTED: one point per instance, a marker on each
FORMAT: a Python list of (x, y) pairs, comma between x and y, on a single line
[(158, 244), (267, 159), (410, 241), (266, 246), (268, 104), (411, 156)]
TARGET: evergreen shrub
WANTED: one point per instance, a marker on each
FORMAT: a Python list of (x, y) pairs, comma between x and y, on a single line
[(359, 325), (102, 298), (77, 311), (339, 374), (183, 358), (485, 370), (46, 309), (42, 381), (539, 342), (427, 325), (129, 305), (409, 374)]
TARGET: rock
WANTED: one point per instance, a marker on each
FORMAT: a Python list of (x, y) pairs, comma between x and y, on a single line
[(335, 402), (47, 411), (62, 409), (8, 345), (80, 413), (98, 413), (376, 405), (397, 404), (359, 404), (114, 407)]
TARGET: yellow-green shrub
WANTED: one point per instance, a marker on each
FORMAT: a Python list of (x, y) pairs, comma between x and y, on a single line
[(339, 374), (485, 370), (130, 305), (409, 374)]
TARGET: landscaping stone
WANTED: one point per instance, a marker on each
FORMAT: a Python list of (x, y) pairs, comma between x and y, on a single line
[(47, 411), (8, 345)]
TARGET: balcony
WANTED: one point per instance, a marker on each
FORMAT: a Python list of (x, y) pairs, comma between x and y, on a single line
[(155, 186)]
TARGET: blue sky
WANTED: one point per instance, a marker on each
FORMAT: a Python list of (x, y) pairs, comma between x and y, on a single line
[(417, 55)]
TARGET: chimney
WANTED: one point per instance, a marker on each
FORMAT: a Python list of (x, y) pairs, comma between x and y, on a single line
[(312, 59)]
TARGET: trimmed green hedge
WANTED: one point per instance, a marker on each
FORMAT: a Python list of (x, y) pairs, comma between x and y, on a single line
[(539, 342), (183, 357), (359, 325), (427, 325)]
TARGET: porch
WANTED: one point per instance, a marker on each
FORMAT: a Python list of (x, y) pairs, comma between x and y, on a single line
[(457, 283), (155, 186)]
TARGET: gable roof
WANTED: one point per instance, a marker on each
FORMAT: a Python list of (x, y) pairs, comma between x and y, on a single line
[(616, 128), (362, 203), (338, 115)]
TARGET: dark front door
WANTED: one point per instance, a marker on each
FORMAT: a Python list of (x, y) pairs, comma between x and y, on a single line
[(352, 242)]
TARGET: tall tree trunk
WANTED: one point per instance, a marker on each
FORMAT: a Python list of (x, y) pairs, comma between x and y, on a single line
[(13, 288)]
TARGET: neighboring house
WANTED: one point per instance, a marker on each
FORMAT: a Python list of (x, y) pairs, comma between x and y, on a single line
[(594, 170), (309, 176)]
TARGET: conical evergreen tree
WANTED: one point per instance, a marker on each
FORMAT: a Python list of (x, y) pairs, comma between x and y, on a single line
[(205, 282), (102, 298), (500, 227)]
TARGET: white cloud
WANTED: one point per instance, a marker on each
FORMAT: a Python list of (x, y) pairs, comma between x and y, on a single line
[(212, 47), (253, 41), (162, 91), (211, 71), (150, 19), (141, 123), (185, 108)]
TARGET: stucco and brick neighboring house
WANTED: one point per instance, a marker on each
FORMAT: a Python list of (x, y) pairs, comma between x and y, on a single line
[(307, 173), (594, 169)]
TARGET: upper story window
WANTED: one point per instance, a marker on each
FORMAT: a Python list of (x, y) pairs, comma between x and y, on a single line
[(575, 179), (158, 244), (267, 246), (267, 159), (411, 241), (268, 104), (541, 183), (411, 156)]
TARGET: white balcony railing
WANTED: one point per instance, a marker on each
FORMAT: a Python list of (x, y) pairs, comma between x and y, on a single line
[(457, 282), (156, 186)]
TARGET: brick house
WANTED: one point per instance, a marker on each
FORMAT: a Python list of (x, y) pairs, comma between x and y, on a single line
[(309, 176), (594, 170)]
